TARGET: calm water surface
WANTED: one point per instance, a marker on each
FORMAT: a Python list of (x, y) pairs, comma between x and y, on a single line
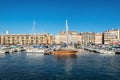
[(30, 66)]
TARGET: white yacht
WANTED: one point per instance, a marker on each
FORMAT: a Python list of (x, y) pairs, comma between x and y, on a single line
[(34, 50), (2, 51), (37, 49)]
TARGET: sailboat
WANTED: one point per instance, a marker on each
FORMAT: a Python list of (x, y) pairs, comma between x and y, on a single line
[(35, 48), (68, 49)]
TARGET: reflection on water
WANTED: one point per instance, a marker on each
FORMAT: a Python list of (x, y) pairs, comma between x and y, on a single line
[(34, 55), (69, 64), (65, 56), (30, 66), (2, 55), (66, 59)]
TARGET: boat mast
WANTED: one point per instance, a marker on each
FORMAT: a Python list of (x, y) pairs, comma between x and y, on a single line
[(33, 28), (67, 31), (33, 32)]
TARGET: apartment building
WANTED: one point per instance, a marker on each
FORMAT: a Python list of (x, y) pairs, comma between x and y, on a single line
[(111, 36), (72, 37), (99, 38), (26, 39), (87, 37)]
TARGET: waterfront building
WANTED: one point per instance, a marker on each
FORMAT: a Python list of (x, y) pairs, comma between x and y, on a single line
[(51, 39), (2, 40), (112, 36), (87, 37), (99, 38), (73, 37), (26, 39)]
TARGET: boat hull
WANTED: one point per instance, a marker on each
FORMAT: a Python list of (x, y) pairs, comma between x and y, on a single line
[(1, 51), (36, 51), (65, 52)]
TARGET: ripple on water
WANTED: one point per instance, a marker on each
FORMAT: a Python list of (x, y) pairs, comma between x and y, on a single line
[(26, 66)]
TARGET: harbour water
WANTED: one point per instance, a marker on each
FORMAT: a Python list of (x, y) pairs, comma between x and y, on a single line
[(83, 66)]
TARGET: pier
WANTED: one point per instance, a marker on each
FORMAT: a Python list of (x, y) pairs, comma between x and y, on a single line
[(102, 51)]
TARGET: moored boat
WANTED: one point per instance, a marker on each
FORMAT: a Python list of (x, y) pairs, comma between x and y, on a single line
[(67, 48), (36, 50), (64, 52), (2, 51)]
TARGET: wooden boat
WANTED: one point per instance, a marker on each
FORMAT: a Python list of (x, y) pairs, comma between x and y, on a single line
[(67, 50), (64, 52)]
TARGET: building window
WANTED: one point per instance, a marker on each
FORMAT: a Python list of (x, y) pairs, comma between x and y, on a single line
[(22, 37), (17, 37), (27, 37)]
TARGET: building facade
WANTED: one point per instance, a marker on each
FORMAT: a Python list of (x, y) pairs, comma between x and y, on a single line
[(87, 37), (72, 37), (111, 36), (26, 39), (99, 38)]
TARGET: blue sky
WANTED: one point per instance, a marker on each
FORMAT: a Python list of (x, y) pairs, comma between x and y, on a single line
[(50, 15)]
